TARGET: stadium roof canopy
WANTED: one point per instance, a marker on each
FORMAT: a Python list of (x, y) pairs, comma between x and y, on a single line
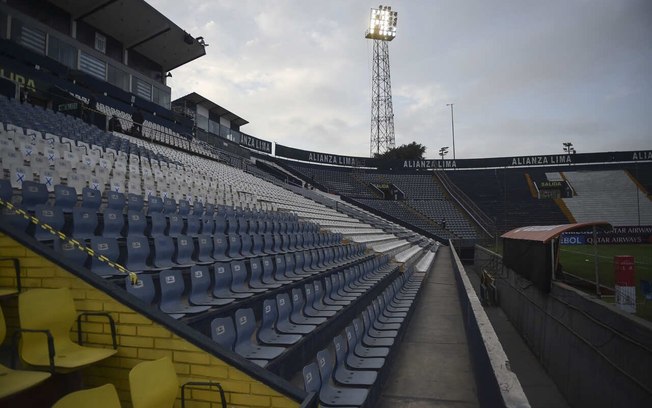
[(196, 99), (544, 233), (138, 26)]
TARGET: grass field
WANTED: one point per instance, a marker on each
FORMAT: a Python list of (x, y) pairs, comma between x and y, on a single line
[(578, 260)]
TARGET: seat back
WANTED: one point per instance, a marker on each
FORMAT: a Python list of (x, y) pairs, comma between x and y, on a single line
[(284, 306), (65, 197), (223, 332), (245, 321), (311, 378), (136, 223), (84, 223), (137, 252), (200, 281), (325, 364), (279, 260), (70, 251), (51, 309), (239, 274), (104, 396), (52, 216), (154, 384), (163, 252), (115, 200), (114, 222), (143, 289), (220, 245), (223, 275), (340, 350), (172, 287), (269, 314), (184, 249), (91, 198), (33, 194), (298, 302), (135, 202), (107, 247)]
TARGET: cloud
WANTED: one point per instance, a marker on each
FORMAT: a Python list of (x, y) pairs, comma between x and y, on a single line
[(524, 76)]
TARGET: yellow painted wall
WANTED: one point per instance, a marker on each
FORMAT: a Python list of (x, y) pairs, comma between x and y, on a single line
[(139, 339)]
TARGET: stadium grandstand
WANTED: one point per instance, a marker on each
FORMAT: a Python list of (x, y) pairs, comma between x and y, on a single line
[(154, 254)]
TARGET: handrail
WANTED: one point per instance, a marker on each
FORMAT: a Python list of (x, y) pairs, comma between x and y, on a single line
[(482, 219)]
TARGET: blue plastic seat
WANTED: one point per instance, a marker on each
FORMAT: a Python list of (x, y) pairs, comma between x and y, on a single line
[(108, 248), (163, 253), (135, 202), (231, 224), (257, 245), (175, 225), (70, 251), (322, 300), (283, 324), (136, 223), (350, 359), (65, 197), (184, 208), (84, 223), (184, 248), (245, 245), (172, 294), (246, 344), (154, 205), (239, 283), (355, 345), (193, 225), (298, 315), (267, 332), (158, 224), (329, 393), (137, 253), (114, 222), (220, 224), (268, 276), (200, 288), (256, 276), (223, 278), (52, 216), (33, 194), (341, 373), (366, 339), (91, 198), (317, 309), (115, 200), (144, 290), (204, 250), (235, 244), (220, 246), (169, 206)]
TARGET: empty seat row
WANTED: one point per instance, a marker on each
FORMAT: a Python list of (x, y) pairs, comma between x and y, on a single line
[(345, 372), (225, 282)]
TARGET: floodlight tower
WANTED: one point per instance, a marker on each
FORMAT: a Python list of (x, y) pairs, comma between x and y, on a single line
[(382, 29)]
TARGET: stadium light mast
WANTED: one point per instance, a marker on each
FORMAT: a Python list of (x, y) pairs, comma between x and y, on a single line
[(382, 30)]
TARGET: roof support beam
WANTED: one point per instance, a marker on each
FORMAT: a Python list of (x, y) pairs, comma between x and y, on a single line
[(163, 31), (96, 9)]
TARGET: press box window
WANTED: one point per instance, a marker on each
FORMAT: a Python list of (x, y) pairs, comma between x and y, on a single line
[(100, 43)]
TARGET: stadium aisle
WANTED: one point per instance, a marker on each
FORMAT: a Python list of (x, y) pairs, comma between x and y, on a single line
[(433, 366)]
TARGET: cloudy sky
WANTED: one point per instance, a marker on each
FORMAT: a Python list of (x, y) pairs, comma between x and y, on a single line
[(524, 75)]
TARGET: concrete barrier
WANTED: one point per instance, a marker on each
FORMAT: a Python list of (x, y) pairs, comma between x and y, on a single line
[(597, 355), (497, 384)]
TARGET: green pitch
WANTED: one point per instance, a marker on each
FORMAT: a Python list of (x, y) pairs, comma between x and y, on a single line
[(578, 260)]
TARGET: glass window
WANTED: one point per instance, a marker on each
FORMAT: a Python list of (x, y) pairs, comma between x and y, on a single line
[(202, 122), (162, 97), (118, 78), (141, 88), (62, 52), (92, 65), (32, 38), (213, 127)]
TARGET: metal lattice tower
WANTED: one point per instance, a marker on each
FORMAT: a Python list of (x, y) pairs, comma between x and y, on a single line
[(382, 111), (382, 29)]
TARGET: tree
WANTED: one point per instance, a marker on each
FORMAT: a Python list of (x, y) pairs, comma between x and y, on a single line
[(412, 151)]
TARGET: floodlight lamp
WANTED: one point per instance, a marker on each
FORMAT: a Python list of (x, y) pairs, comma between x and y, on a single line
[(382, 24)]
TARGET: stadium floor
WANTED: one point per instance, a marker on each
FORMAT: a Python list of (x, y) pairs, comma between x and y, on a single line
[(433, 365)]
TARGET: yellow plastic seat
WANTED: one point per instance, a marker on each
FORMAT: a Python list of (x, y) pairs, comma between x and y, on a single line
[(154, 384), (104, 396), (13, 381), (46, 318)]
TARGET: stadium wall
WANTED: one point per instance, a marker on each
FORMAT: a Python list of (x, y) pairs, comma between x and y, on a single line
[(497, 384), (139, 337), (597, 355)]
